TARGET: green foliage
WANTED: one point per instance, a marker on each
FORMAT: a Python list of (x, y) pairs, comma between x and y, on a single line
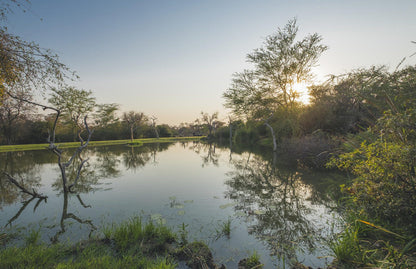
[(352, 102), (267, 92), (278, 65), (385, 183)]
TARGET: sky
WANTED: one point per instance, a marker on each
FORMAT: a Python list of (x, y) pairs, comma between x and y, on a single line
[(173, 59)]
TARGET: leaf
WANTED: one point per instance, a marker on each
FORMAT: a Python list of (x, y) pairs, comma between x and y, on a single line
[(227, 205), (158, 219), (181, 213), (381, 228), (239, 214), (259, 212)]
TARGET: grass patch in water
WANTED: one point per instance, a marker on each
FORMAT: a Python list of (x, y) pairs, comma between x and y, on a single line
[(224, 229), (149, 237)]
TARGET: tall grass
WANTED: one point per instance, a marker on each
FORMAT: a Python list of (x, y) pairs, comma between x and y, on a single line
[(149, 236), (131, 244), (364, 244)]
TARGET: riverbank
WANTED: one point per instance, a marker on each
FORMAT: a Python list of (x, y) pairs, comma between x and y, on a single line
[(10, 148), (131, 244)]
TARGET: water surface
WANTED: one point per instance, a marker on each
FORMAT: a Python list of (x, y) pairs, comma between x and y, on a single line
[(282, 212)]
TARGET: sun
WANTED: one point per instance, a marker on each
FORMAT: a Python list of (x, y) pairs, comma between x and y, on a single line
[(302, 89)]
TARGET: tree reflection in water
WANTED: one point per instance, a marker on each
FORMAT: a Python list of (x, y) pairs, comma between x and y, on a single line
[(207, 152), (104, 163), (65, 215), (25, 168), (277, 204)]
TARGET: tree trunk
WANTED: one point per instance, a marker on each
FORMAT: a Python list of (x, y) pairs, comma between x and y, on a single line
[(273, 136), (157, 133), (131, 134), (231, 135)]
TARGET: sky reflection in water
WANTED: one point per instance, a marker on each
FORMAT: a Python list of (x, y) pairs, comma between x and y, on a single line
[(280, 211)]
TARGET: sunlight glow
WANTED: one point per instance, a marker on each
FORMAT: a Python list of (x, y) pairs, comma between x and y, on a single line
[(302, 90)]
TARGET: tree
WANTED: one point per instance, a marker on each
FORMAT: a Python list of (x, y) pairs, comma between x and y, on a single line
[(210, 121), (384, 187), (153, 119), (11, 112), (106, 114), (278, 65), (75, 105), (133, 120), (352, 102)]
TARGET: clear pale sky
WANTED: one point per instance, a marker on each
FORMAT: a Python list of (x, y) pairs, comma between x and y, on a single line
[(174, 58)]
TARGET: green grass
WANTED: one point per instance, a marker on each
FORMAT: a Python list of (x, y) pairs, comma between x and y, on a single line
[(364, 244), (131, 244), (9, 148), (60, 256), (224, 229), (152, 238)]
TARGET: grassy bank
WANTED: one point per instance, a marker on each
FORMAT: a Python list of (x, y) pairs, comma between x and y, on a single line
[(131, 244), (9, 148)]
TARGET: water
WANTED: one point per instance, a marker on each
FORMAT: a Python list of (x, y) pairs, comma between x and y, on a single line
[(282, 212)]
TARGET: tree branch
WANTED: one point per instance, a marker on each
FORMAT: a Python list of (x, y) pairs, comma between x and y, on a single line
[(23, 189)]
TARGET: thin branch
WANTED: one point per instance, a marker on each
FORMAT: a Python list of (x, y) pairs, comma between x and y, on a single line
[(78, 174), (25, 204), (23, 189)]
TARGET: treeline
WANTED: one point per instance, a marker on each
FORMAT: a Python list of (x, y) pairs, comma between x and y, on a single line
[(32, 128), (21, 123)]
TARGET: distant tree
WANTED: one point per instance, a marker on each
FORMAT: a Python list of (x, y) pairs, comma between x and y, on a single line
[(12, 111), (153, 121), (210, 121), (106, 114), (133, 120), (74, 104), (278, 65), (165, 130)]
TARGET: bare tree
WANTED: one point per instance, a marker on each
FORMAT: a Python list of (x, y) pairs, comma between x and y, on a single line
[(153, 119), (58, 152)]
